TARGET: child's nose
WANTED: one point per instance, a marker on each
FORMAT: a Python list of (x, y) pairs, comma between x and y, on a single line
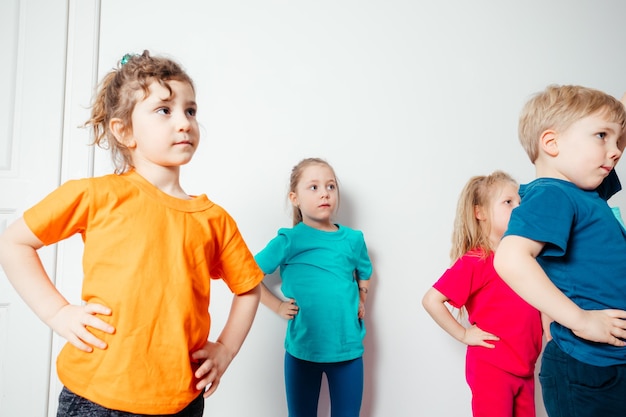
[(183, 122), (615, 152)]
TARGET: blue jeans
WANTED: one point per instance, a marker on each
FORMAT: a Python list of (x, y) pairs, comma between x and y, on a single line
[(72, 405), (303, 380), (575, 389)]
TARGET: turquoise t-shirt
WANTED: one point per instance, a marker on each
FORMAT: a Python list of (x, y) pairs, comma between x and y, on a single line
[(319, 270)]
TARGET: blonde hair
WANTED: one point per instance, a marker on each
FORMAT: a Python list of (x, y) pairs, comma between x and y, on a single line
[(468, 233), (296, 175), (557, 107), (117, 96)]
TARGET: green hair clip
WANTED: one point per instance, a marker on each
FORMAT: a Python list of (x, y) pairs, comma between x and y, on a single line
[(126, 58)]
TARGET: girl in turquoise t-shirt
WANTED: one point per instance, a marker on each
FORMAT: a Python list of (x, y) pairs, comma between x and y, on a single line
[(325, 271)]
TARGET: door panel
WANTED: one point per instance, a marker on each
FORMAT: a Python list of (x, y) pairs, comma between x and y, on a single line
[(83, 28), (33, 44)]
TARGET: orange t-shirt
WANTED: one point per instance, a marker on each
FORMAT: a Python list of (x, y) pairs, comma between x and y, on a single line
[(149, 257)]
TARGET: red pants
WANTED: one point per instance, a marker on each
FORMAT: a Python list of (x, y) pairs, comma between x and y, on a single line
[(496, 393)]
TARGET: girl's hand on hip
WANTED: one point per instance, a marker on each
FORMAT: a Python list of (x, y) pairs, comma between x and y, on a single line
[(475, 336), (288, 309), (214, 359), (72, 322), (361, 310)]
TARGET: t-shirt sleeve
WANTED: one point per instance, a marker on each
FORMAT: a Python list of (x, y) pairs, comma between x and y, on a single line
[(364, 264), (546, 215), (458, 281), (62, 213), (236, 265), (274, 254)]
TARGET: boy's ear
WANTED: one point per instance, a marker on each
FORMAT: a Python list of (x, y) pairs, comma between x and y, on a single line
[(548, 142), (117, 127)]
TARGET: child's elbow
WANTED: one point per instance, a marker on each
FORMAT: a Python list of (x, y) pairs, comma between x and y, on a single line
[(429, 299)]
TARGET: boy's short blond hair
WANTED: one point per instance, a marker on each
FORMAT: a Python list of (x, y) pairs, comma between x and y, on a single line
[(557, 107)]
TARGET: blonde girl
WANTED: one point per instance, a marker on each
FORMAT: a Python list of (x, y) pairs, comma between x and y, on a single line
[(325, 271), (504, 334)]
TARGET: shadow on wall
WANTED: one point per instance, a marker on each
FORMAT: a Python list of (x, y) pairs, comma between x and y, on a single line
[(346, 216)]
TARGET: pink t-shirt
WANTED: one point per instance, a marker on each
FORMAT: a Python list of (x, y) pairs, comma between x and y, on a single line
[(494, 307)]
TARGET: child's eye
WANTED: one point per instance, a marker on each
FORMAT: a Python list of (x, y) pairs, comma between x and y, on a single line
[(601, 135), (313, 187), (330, 187), (191, 112), (163, 110)]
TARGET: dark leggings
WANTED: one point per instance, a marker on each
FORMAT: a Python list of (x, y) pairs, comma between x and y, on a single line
[(72, 405), (303, 381)]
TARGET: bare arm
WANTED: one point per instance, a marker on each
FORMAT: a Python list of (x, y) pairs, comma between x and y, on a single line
[(22, 265), (545, 324), (217, 356), (434, 303), (515, 261), (364, 285), (286, 309)]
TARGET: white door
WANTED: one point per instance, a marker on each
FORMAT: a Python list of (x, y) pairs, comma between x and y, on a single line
[(37, 84), (32, 77)]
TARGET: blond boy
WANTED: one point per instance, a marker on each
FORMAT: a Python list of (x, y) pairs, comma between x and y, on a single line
[(565, 252)]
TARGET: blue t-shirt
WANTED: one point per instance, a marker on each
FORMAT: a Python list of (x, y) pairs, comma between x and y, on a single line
[(319, 270), (584, 255)]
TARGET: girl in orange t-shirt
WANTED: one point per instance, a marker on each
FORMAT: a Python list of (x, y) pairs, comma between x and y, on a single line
[(139, 342)]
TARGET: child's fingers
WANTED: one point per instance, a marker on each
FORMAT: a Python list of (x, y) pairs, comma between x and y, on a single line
[(211, 388), (93, 308), (619, 328), (618, 314), (604, 326), (289, 310), (616, 342), (208, 374), (73, 323), (79, 344), (485, 335), (485, 341), (210, 383), (98, 324), (89, 338), (93, 321)]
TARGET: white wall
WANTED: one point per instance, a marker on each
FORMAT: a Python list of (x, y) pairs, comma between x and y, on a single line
[(406, 99)]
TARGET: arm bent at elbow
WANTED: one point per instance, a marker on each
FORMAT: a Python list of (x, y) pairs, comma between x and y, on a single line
[(23, 267), (285, 309), (434, 303), (516, 263), (217, 356)]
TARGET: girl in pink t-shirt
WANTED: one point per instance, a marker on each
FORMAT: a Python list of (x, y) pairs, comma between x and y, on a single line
[(503, 335)]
